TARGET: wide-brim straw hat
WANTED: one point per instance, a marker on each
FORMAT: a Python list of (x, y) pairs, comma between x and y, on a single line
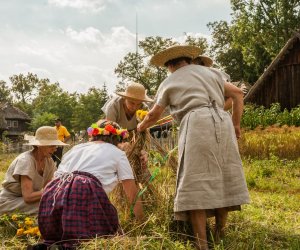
[(46, 136), (173, 52), (208, 62), (135, 91)]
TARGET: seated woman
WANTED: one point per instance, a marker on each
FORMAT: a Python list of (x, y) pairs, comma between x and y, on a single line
[(29, 173), (75, 204)]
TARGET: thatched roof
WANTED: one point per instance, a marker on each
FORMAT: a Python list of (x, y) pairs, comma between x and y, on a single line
[(272, 67), (8, 111)]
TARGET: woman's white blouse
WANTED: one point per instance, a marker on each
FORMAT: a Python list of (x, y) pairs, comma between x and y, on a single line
[(103, 160)]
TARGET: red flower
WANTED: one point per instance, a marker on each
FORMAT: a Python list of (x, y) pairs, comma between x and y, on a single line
[(95, 131), (111, 129)]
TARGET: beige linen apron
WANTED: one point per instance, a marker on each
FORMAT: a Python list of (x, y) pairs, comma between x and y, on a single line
[(210, 173)]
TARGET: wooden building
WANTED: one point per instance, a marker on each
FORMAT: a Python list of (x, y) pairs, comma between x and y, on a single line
[(13, 121), (281, 80)]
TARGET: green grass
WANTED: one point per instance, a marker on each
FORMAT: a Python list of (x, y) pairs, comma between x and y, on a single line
[(271, 221)]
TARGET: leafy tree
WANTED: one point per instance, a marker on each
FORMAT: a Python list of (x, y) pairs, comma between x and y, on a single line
[(43, 119), (257, 32), (88, 109), (24, 86), (136, 67), (4, 92), (52, 99)]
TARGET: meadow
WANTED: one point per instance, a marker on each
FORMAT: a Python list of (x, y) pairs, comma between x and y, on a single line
[(271, 221)]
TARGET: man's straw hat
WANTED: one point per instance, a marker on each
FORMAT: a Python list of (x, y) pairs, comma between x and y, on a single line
[(208, 62), (136, 92), (174, 52), (46, 136)]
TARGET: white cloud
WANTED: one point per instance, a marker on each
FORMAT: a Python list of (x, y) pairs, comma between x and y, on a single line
[(89, 35), (84, 5)]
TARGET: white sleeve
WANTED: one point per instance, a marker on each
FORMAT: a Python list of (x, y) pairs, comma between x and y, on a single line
[(124, 170)]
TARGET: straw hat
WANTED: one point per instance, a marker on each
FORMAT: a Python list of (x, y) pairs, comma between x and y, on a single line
[(208, 62), (135, 91), (46, 136), (173, 52)]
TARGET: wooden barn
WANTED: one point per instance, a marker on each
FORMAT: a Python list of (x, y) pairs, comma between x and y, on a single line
[(13, 121), (281, 80)]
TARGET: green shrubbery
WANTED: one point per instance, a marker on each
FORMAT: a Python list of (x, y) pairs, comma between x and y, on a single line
[(255, 116)]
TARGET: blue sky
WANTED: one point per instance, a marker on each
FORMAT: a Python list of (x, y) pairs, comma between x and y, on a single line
[(80, 42)]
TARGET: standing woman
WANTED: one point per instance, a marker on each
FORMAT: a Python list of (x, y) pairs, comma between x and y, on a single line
[(210, 174), (29, 173)]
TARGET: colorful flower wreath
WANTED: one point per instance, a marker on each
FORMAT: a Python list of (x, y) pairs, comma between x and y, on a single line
[(109, 129)]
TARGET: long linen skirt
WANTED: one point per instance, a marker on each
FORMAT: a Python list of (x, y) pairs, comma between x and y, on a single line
[(210, 173), (75, 207)]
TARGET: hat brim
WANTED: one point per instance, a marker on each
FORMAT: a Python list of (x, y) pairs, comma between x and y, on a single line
[(35, 142), (208, 62), (174, 52), (146, 99)]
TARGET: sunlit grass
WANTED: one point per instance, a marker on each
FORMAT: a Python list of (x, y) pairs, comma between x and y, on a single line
[(271, 221)]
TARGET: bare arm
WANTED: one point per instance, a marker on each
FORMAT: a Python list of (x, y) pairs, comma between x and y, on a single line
[(236, 94), (228, 104), (151, 118), (28, 194), (131, 192)]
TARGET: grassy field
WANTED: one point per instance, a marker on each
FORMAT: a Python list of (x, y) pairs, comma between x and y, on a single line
[(271, 221)]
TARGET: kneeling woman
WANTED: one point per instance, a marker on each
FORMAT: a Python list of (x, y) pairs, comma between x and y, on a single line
[(75, 204)]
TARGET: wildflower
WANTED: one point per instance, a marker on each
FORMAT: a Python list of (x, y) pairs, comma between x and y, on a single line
[(20, 231), (28, 222), (14, 217)]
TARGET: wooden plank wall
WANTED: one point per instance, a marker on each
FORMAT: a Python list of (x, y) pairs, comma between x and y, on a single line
[(283, 84)]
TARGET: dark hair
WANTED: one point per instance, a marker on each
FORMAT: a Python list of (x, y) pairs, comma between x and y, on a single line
[(175, 61), (198, 61), (112, 139)]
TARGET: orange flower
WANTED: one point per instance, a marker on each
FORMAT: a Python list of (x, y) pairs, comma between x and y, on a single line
[(111, 129)]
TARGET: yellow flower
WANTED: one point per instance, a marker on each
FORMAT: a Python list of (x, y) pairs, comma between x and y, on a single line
[(35, 230), (14, 217), (28, 222), (20, 231)]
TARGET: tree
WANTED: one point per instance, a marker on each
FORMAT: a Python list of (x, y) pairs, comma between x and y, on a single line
[(4, 92), (257, 32), (136, 67), (88, 109), (52, 99), (43, 119), (24, 86)]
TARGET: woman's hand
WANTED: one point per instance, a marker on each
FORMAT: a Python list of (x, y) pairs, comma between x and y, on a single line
[(237, 132), (131, 192)]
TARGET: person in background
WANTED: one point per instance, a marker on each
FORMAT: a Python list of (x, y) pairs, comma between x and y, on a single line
[(63, 135), (75, 204), (210, 174), (29, 173), (122, 110)]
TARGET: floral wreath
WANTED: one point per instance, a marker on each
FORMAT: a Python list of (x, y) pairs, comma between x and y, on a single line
[(109, 129)]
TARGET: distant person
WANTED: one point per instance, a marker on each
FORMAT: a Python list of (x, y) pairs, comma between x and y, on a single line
[(122, 110), (29, 173), (75, 204), (63, 135)]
